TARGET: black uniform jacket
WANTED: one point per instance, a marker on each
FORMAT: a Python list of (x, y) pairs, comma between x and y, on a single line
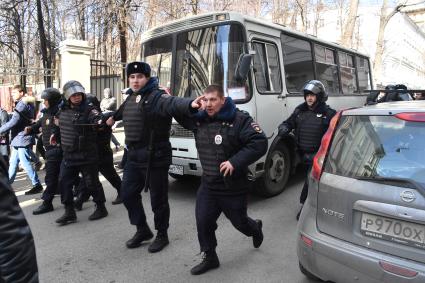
[(309, 125), (157, 109), (245, 144), (18, 261), (82, 129)]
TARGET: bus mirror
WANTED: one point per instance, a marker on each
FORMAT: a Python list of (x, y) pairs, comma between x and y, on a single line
[(243, 66)]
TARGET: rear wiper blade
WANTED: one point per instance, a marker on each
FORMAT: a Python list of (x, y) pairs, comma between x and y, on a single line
[(404, 182)]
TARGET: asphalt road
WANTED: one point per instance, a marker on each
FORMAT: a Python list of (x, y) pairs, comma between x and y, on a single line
[(94, 251)]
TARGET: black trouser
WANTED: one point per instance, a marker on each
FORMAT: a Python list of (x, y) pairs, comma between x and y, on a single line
[(307, 159), (69, 173), (209, 206), (106, 168), (39, 148), (124, 158), (53, 164), (132, 185)]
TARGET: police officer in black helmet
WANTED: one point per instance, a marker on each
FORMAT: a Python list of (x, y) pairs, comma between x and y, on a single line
[(146, 116), (310, 120), (77, 122), (51, 141), (106, 159)]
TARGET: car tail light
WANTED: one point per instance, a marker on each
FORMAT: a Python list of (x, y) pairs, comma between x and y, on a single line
[(307, 241), (411, 117), (395, 269), (319, 159)]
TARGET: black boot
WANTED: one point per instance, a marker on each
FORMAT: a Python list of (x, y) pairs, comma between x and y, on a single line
[(78, 203), (159, 243), (209, 261), (68, 217), (143, 234), (35, 190), (99, 213), (79, 200), (257, 239), (46, 206), (117, 200)]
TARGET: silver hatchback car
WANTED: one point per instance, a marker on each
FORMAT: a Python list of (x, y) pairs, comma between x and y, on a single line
[(364, 218)]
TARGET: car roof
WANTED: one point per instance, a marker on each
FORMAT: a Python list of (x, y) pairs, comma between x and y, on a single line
[(388, 108)]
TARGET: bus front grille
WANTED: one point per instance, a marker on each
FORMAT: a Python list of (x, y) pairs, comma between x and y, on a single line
[(178, 131)]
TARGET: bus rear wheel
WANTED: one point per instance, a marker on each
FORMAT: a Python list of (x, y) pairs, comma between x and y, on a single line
[(276, 172)]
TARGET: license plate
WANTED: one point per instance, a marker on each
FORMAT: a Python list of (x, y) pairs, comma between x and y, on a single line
[(393, 230), (176, 169)]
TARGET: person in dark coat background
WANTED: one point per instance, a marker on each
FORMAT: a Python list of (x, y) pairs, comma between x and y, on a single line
[(18, 262)]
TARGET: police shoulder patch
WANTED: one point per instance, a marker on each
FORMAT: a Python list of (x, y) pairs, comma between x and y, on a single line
[(256, 127)]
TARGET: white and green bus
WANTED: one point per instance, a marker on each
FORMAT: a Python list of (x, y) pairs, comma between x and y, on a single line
[(263, 67)]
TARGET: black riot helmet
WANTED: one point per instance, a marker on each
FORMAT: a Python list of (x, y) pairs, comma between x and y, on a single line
[(317, 88), (52, 95)]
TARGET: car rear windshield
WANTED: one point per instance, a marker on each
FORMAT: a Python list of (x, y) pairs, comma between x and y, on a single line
[(378, 146)]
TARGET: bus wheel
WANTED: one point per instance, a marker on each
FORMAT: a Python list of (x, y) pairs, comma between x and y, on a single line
[(276, 172)]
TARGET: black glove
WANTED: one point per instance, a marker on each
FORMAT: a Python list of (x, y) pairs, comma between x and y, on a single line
[(283, 130)]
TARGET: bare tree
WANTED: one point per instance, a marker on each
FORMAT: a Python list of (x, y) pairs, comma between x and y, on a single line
[(350, 23), (13, 13), (383, 21), (47, 60)]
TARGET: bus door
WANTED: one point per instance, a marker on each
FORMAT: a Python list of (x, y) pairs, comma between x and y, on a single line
[(268, 86)]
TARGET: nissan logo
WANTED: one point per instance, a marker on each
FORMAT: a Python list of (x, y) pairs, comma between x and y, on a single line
[(407, 196)]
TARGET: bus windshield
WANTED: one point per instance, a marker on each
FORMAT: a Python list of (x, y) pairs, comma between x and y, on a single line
[(203, 56)]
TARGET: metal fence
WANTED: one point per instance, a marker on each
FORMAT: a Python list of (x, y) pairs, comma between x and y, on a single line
[(107, 75), (32, 79)]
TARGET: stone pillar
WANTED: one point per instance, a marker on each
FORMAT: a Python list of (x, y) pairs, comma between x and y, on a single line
[(75, 62)]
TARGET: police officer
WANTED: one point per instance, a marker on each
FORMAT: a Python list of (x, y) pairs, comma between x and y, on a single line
[(227, 140), (77, 120), (106, 159), (310, 120), (51, 142), (146, 116)]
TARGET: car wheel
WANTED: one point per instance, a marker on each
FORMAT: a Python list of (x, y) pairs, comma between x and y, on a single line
[(308, 274), (276, 172)]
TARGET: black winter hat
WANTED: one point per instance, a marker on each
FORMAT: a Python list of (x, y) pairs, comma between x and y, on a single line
[(138, 67)]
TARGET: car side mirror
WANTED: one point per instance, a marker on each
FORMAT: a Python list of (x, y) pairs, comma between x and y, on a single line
[(243, 66)]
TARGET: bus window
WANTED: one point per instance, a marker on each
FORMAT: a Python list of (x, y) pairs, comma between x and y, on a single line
[(348, 73), (209, 56), (298, 62), (326, 68), (267, 68), (363, 73), (157, 53)]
